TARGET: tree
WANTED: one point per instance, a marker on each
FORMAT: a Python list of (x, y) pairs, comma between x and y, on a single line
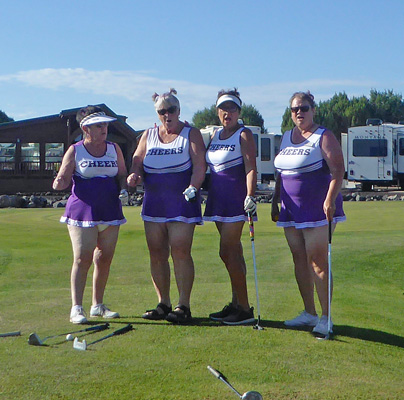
[(4, 117), (340, 113), (208, 116)]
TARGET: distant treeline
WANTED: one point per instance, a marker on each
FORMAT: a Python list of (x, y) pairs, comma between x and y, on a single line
[(339, 113)]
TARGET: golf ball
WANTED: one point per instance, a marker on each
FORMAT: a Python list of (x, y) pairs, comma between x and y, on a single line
[(69, 337)]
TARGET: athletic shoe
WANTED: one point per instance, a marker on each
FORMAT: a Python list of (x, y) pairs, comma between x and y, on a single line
[(322, 326), (304, 319), (77, 315), (240, 317), (226, 311), (100, 310)]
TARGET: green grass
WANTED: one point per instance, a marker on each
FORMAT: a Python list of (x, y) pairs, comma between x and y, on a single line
[(158, 360)]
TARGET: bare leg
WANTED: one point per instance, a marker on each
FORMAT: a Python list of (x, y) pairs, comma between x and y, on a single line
[(316, 248), (303, 271), (180, 240), (102, 259), (231, 253), (157, 241), (84, 241)]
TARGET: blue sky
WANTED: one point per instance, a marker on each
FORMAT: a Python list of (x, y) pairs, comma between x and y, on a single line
[(58, 55)]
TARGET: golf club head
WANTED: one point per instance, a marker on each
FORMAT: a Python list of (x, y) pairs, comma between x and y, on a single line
[(251, 395), (79, 345), (34, 340), (319, 336), (258, 327)]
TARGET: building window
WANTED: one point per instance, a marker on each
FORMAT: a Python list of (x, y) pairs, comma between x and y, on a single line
[(53, 156), (30, 156), (7, 156)]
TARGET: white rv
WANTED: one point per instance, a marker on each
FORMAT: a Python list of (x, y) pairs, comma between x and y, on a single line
[(375, 155), (267, 148)]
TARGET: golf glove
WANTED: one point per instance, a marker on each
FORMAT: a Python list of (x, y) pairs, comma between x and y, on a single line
[(190, 193), (250, 205), (124, 196)]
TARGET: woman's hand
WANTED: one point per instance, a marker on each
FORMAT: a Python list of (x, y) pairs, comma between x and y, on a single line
[(133, 180), (329, 209)]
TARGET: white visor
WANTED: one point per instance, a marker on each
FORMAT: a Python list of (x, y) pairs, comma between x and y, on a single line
[(228, 97), (96, 118)]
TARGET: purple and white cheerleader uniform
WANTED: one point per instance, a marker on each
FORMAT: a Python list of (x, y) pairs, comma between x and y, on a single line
[(167, 173), (305, 183), (95, 191), (227, 189)]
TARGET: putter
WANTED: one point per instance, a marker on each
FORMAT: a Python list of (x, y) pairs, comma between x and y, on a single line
[(36, 341), (329, 330), (251, 224), (250, 395), (83, 345), (10, 334)]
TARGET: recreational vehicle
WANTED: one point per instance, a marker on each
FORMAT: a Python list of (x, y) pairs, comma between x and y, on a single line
[(375, 154), (267, 148)]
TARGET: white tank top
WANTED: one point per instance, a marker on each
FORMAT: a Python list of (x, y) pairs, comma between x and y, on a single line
[(88, 166), (224, 153), (300, 158), (167, 157)]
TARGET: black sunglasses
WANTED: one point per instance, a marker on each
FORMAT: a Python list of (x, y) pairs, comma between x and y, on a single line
[(301, 108), (170, 110)]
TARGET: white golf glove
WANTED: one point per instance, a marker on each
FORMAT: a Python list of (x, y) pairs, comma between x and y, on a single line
[(124, 197), (250, 205), (190, 193)]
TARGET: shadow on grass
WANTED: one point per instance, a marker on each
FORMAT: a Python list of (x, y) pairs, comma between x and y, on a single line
[(340, 331), (368, 334)]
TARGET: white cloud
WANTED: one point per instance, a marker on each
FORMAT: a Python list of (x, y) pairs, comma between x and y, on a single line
[(137, 87)]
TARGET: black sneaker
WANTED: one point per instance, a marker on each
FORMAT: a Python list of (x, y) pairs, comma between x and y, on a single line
[(227, 310), (240, 317)]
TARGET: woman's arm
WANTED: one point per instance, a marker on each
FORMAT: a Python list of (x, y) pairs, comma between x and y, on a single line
[(64, 176), (136, 171), (334, 158), (249, 151), (197, 152)]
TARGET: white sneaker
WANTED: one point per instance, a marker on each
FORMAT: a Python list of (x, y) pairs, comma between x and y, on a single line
[(77, 315), (100, 310), (322, 326), (304, 319)]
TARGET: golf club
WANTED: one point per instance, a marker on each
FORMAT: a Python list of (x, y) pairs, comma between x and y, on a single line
[(250, 395), (10, 334), (251, 224), (329, 330), (36, 341), (83, 345)]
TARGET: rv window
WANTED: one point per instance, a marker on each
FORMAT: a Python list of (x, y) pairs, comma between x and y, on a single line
[(401, 147), (7, 156), (370, 147), (265, 149)]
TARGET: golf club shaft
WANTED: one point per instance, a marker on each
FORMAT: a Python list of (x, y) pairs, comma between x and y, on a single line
[(89, 329), (222, 378), (10, 334), (251, 224), (120, 331), (329, 275)]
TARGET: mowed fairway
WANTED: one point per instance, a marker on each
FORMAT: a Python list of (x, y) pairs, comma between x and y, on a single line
[(158, 360)]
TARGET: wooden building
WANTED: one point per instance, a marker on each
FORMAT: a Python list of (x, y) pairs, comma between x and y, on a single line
[(31, 150)]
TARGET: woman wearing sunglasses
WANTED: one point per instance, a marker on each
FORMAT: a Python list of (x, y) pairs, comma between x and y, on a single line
[(311, 169), (170, 159), (231, 158)]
